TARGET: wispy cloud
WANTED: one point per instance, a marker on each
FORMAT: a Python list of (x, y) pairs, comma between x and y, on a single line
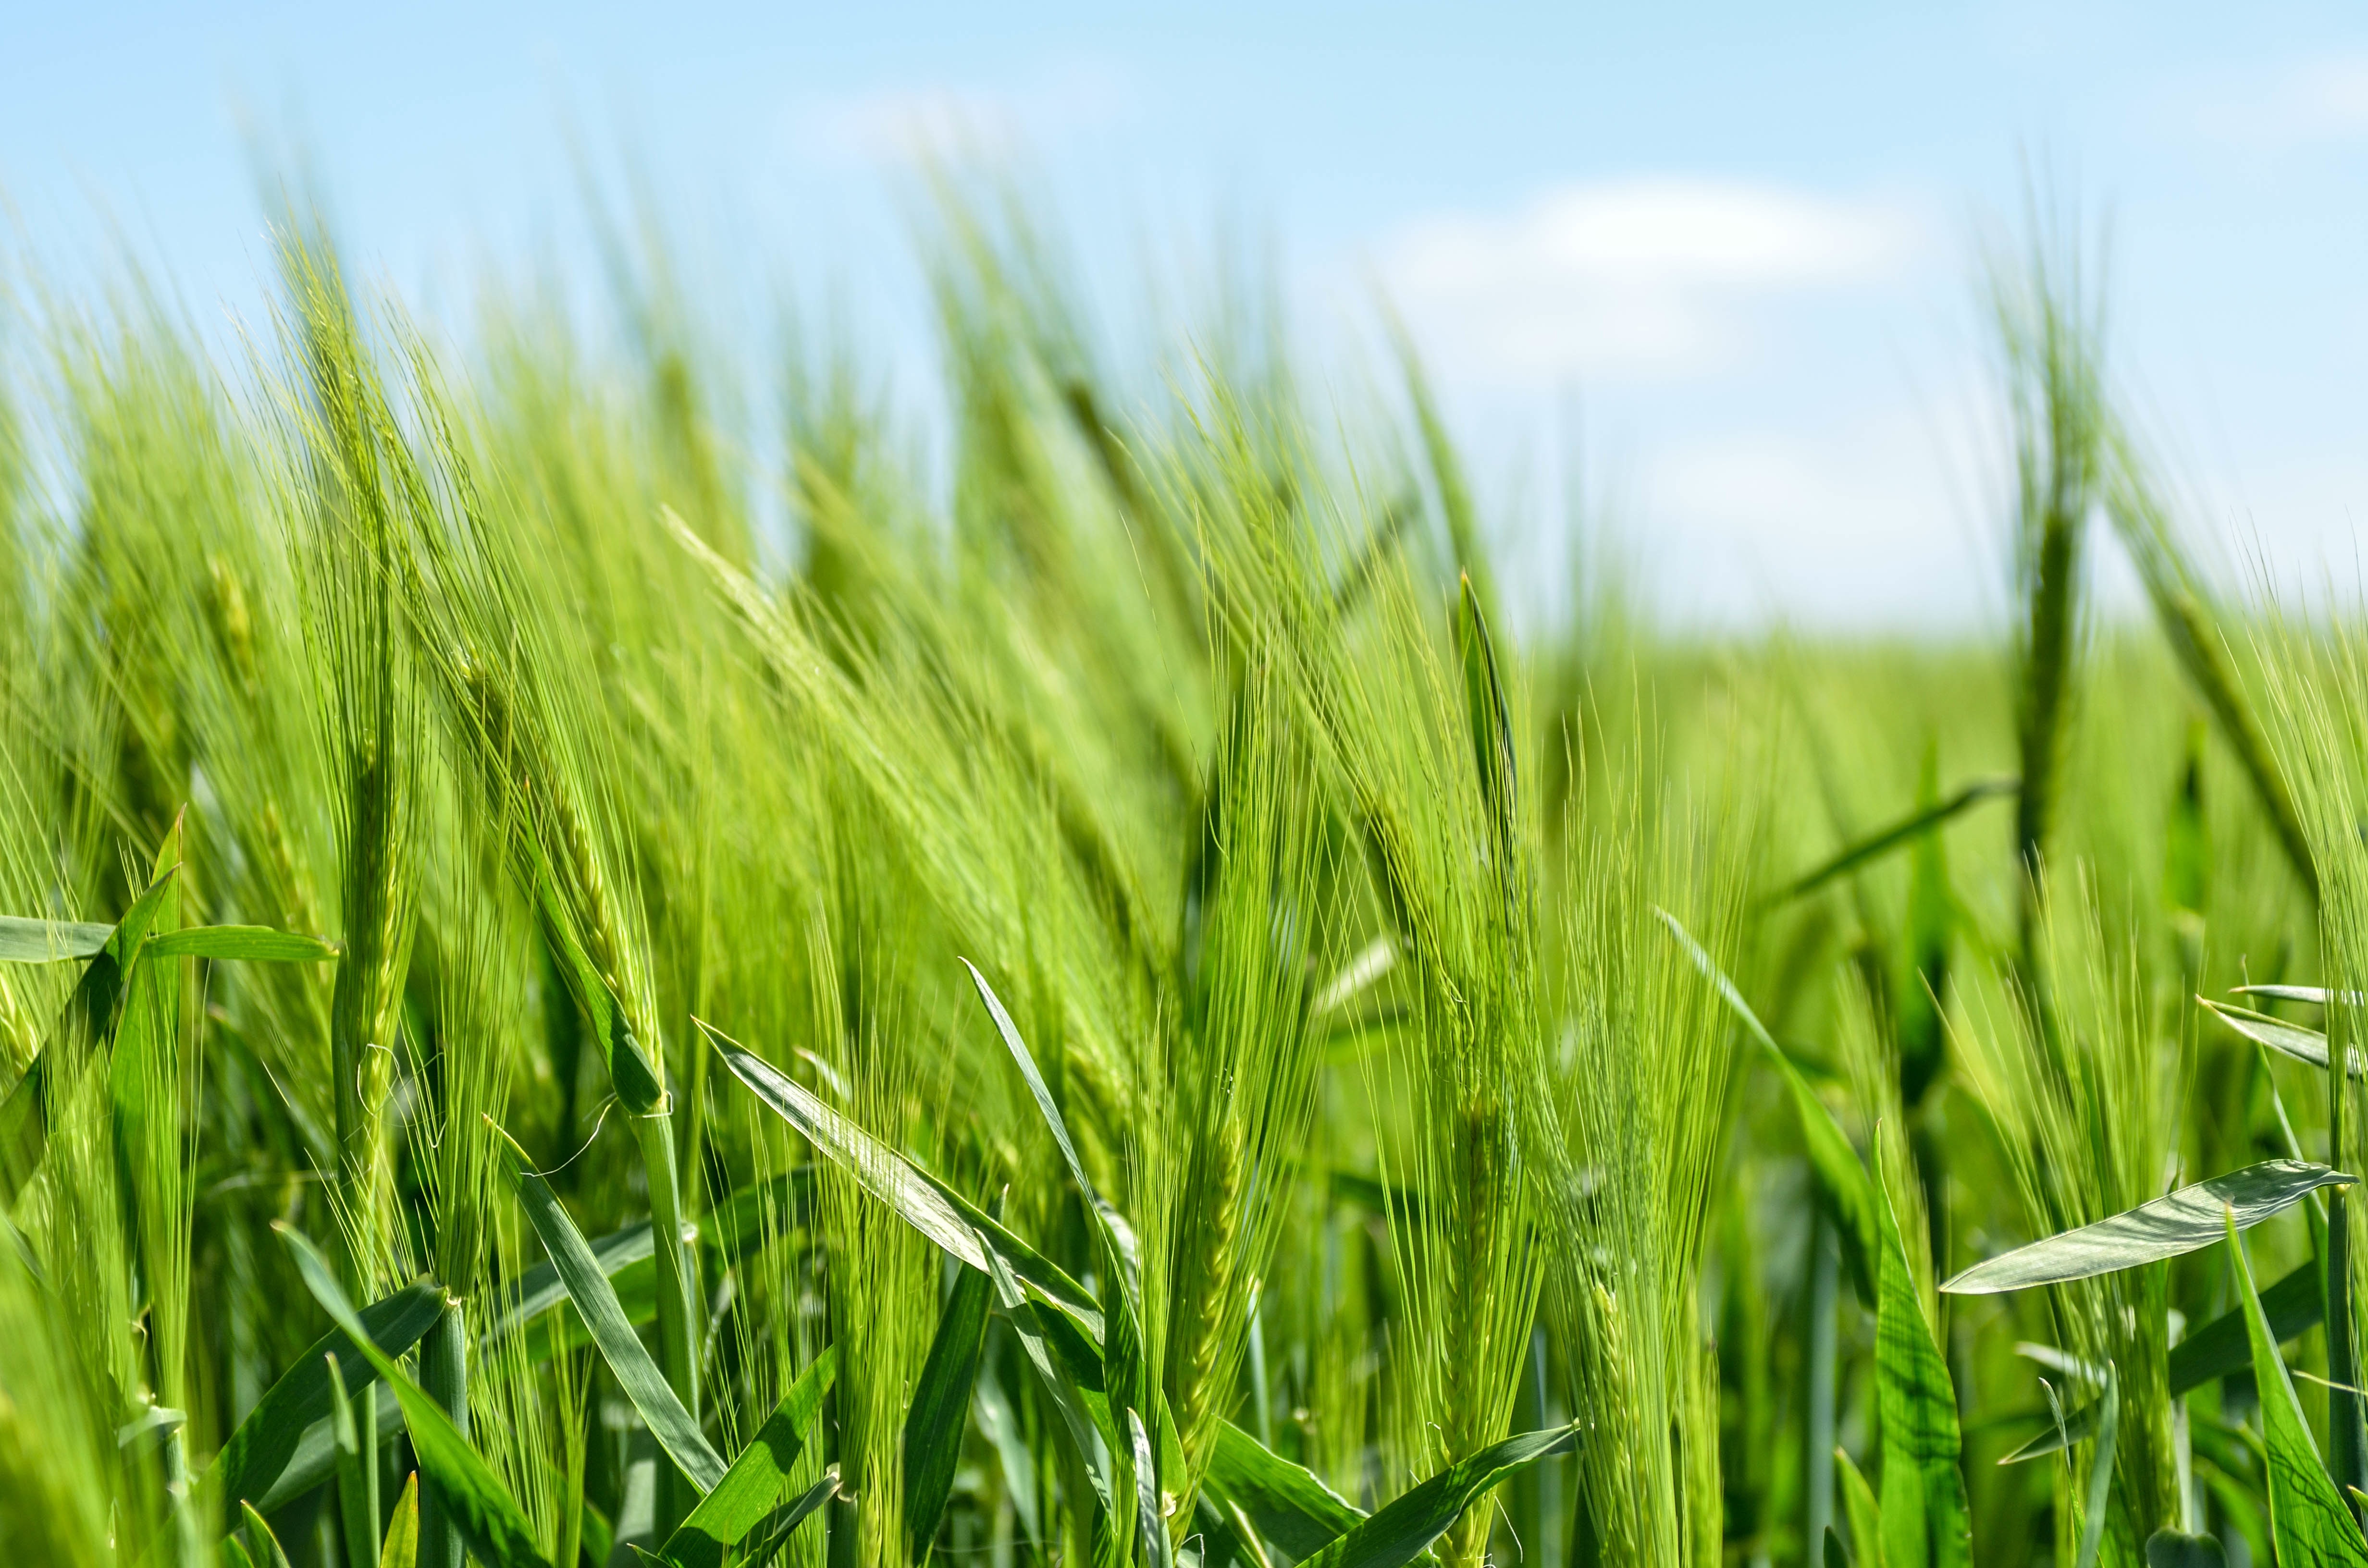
[(1650, 277), (905, 123)]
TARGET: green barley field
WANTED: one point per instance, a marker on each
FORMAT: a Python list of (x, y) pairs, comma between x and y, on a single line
[(1072, 988)]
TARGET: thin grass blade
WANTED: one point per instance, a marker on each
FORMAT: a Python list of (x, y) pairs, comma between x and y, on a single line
[(596, 1301), (2100, 1472)]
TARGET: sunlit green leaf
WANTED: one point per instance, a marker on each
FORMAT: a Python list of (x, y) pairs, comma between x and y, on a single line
[(2307, 1517), (2183, 1222)]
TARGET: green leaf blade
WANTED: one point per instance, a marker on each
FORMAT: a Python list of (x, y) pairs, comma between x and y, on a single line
[(596, 1302), (2183, 1222), (2307, 1517)]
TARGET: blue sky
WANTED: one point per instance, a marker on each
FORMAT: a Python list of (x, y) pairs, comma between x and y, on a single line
[(1740, 240)]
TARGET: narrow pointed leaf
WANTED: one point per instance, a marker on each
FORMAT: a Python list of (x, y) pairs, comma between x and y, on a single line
[(540, 1288), (488, 1514), (1036, 1085), (1027, 1323), (315, 1456), (596, 1302), (1403, 1530), (355, 1513), (740, 1502), (1000, 1423), (2287, 1039), (86, 1024), (402, 1548), (2100, 1472), (2183, 1222), (1908, 831), (2316, 993), (1130, 1380), (252, 1465), (950, 1221), (2308, 1515), (1926, 1520)]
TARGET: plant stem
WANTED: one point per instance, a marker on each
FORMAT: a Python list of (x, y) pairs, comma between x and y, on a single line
[(1824, 1297), (675, 1496), (444, 1373)]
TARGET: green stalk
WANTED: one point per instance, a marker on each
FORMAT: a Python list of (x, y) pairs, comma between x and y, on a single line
[(2346, 1443), (1825, 1280), (675, 1496), (444, 1373)]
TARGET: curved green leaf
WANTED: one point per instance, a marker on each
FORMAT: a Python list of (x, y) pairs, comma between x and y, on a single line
[(2307, 1517), (488, 1514), (675, 1428), (1908, 831), (1149, 1523), (2314, 994), (1402, 1531), (740, 1502), (2183, 1222), (87, 1022)]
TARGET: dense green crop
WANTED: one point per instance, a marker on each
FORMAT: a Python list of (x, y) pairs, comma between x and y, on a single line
[(571, 989)]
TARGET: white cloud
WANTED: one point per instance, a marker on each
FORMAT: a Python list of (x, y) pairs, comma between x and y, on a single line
[(1856, 521), (906, 124), (1640, 277)]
